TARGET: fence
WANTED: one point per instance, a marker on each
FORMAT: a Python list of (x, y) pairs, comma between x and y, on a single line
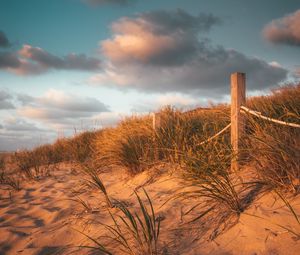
[(237, 120)]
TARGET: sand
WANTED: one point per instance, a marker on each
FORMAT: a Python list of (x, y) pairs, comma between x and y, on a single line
[(42, 217)]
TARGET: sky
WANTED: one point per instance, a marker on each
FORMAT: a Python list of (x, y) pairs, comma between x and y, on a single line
[(73, 65)]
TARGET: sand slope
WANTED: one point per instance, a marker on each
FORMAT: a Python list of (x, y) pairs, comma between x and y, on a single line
[(42, 218)]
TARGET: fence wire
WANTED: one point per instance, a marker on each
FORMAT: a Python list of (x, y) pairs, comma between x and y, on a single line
[(258, 114)]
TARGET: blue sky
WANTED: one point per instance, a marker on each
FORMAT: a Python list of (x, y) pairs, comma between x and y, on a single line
[(79, 64)]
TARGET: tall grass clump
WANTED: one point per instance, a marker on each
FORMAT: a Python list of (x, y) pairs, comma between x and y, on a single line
[(180, 132), (9, 180), (129, 145), (2, 162), (132, 232), (5, 178), (282, 103), (42, 159), (207, 178), (273, 147), (61, 152), (80, 148), (25, 161), (38, 161), (95, 181)]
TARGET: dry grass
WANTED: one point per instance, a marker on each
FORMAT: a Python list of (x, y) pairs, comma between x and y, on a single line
[(129, 145), (132, 232), (134, 145), (276, 148)]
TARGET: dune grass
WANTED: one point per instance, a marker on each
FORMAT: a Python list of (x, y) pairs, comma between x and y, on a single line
[(95, 181), (129, 145), (9, 180), (132, 232), (276, 148), (133, 144)]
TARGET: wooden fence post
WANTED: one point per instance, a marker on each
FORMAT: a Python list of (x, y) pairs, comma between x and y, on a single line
[(156, 125), (156, 120), (238, 98)]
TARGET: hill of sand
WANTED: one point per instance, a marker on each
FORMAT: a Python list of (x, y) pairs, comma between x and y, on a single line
[(43, 217)]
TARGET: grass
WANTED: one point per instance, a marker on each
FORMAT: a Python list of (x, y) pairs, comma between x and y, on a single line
[(132, 232), (95, 181), (275, 148), (292, 230), (180, 132), (11, 181), (133, 144), (129, 145), (79, 147), (83, 203), (33, 164)]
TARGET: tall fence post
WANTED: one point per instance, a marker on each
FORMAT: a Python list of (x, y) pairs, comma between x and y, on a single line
[(238, 98)]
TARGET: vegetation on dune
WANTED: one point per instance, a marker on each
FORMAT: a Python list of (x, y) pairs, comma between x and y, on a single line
[(8, 179), (134, 144), (132, 232), (130, 145), (271, 150)]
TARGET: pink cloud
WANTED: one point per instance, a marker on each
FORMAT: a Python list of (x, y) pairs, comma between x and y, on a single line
[(34, 60), (284, 30), (161, 38), (135, 40), (132, 47), (167, 51), (26, 67)]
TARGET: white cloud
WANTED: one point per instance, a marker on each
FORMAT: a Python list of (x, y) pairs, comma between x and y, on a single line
[(59, 106)]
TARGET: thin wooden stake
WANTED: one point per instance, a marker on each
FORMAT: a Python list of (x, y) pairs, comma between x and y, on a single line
[(156, 125), (238, 98), (156, 121)]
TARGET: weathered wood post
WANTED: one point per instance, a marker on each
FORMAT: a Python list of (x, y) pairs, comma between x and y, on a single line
[(156, 125), (156, 121), (238, 98)]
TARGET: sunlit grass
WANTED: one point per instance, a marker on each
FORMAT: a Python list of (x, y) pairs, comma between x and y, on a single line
[(132, 232)]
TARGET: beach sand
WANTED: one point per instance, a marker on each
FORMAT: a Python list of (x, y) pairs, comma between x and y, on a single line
[(43, 218)]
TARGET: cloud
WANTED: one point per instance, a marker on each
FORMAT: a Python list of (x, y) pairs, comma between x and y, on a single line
[(43, 60), (58, 106), (5, 101), (105, 2), (17, 133), (60, 100), (157, 38), (21, 125), (34, 60), (285, 30), (42, 117), (9, 60), (4, 42), (178, 100), (167, 51), (108, 119), (25, 99)]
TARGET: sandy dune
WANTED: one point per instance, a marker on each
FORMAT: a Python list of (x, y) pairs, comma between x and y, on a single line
[(42, 218)]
